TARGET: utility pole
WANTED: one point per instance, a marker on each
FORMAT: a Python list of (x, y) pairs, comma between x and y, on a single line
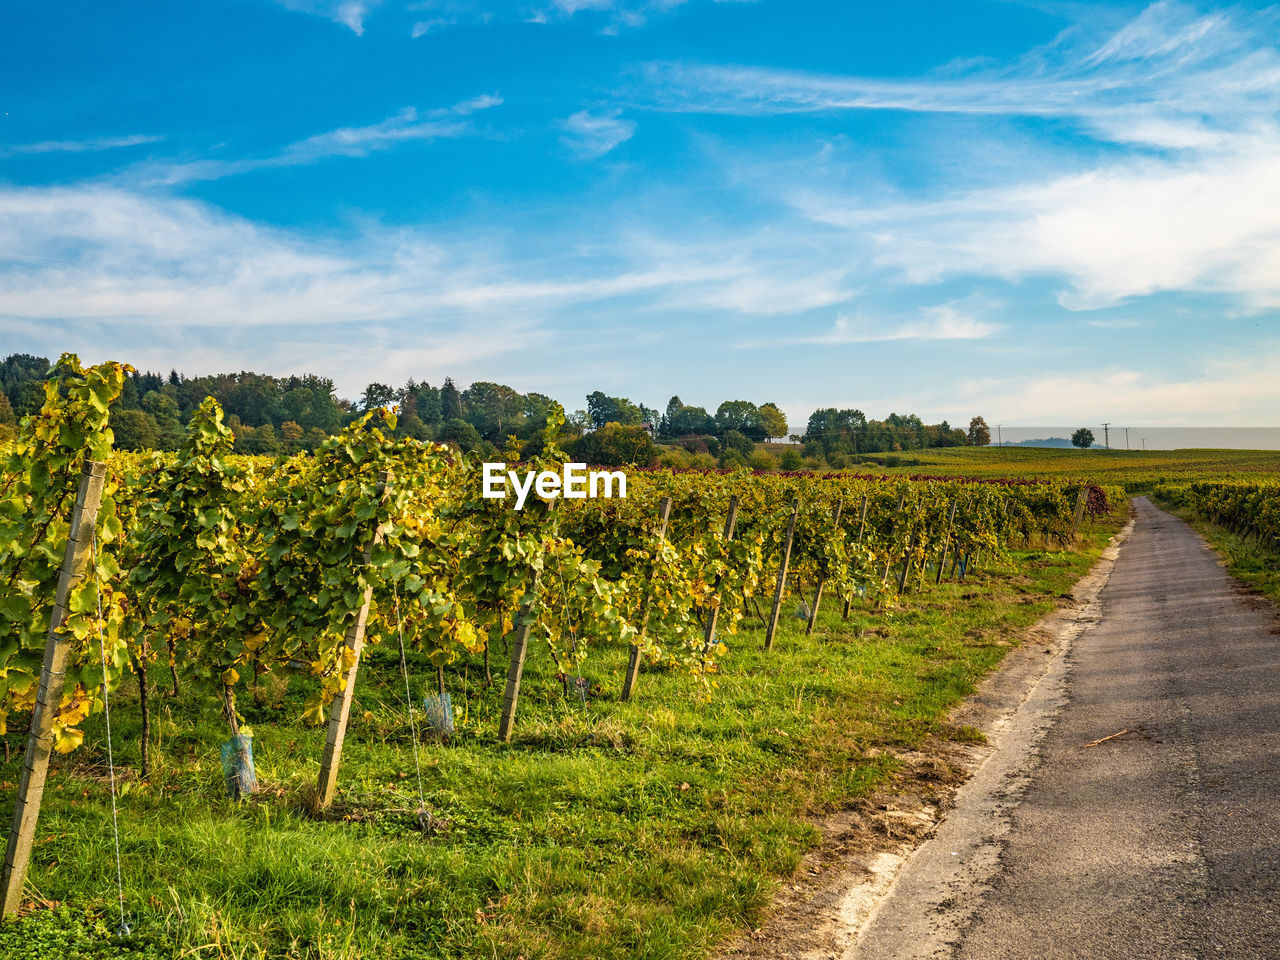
[(1126, 438), (1106, 435), (1144, 443), (999, 435)]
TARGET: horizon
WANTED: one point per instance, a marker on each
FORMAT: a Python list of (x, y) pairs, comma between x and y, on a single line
[(1126, 438), (1028, 211)]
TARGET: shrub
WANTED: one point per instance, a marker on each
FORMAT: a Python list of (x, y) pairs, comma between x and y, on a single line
[(616, 445), (673, 458), (134, 430), (460, 434), (791, 459), (733, 440)]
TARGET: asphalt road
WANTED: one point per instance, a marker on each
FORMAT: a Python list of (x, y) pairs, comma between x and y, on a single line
[(1162, 842)]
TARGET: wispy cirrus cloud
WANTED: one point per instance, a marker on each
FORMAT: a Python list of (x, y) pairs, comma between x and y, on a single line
[(78, 146), (348, 13), (1170, 77), (410, 124), (1224, 389), (1129, 228), (87, 259), (592, 135), (620, 13), (431, 15), (106, 253), (421, 28), (1182, 195), (942, 322)]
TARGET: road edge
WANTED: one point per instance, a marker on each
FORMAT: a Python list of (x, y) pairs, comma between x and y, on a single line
[(909, 891)]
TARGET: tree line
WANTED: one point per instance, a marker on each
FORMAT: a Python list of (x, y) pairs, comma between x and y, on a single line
[(283, 415)]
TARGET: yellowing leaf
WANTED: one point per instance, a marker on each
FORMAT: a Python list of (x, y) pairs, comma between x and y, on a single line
[(65, 739)]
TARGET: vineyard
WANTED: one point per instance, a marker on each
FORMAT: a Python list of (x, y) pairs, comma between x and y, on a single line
[(588, 727), (1137, 471), (1250, 509), (1240, 518)]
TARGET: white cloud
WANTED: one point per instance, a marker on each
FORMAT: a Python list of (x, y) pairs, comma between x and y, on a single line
[(1226, 391), (619, 13), (100, 253), (114, 272), (422, 27), (348, 13), (944, 322), (409, 124), (78, 146), (1171, 78), (1184, 195), (1119, 324), (1130, 228), (593, 135)]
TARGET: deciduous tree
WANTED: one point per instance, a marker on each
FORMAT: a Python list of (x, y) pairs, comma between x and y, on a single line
[(979, 434), (773, 422)]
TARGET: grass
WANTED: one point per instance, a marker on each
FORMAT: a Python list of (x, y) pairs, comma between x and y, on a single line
[(1134, 469), (649, 829)]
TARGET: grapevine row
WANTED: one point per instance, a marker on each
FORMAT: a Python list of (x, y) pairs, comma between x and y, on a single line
[(219, 569)]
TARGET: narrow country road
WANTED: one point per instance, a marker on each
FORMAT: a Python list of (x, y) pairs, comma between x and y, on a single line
[(1161, 842)]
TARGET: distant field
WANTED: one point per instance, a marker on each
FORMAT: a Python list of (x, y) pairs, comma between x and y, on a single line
[(1134, 469)]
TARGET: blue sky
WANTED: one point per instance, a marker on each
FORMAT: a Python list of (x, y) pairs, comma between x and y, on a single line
[(1042, 212)]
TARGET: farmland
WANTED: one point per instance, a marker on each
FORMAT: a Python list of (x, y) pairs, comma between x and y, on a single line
[(653, 828), (669, 751), (1137, 470)]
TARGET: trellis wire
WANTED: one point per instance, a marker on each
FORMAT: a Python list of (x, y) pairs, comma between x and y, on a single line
[(123, 930), (413, 723)]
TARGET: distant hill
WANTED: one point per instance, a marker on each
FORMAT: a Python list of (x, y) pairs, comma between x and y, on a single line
[(1049, 442)]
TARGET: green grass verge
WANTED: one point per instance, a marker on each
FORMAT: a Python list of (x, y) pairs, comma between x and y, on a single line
[(649, 829)]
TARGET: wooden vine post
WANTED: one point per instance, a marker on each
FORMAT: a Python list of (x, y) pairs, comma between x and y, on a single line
[(862, 523), (525, 620), (906, 567), (782, 576), (340, 712), (946, 541), (893, 525), (57, 651), (633, 663), (1082, 499), (822, 581), (730, 522)]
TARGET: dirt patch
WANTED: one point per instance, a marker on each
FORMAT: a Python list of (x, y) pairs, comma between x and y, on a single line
[(819, 910), (861, 850)]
